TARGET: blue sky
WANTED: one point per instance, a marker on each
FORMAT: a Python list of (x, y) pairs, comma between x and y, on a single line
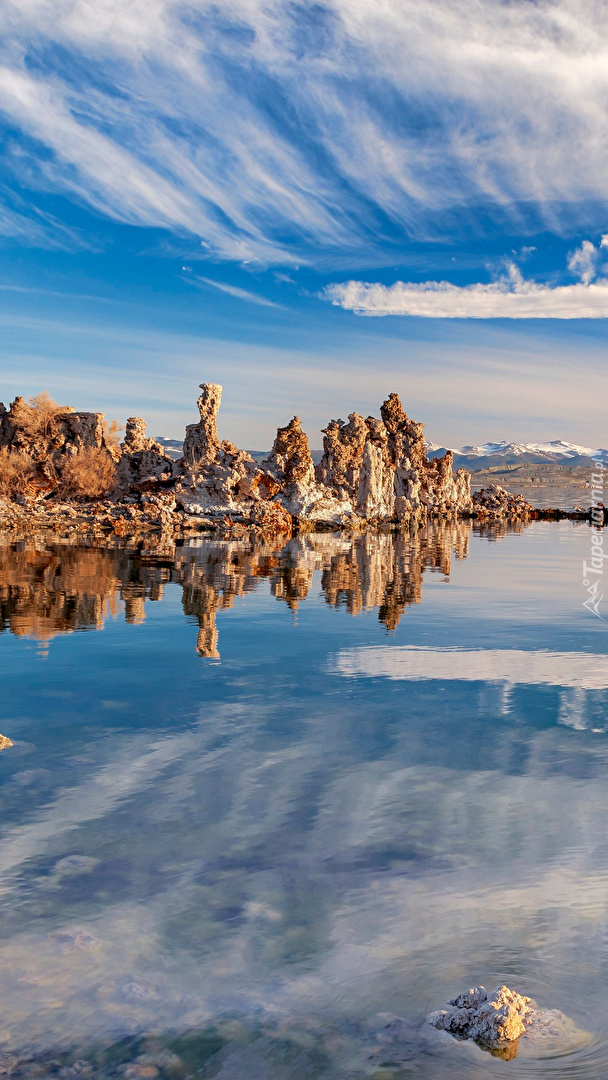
[(313, 204)]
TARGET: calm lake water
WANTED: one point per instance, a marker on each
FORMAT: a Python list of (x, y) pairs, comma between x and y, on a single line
[(259, 795)]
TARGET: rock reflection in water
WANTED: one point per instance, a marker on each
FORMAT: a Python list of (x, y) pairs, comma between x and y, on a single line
[(50, 587)]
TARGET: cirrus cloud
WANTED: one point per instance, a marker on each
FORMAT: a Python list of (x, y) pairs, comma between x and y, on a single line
[(284, 132)]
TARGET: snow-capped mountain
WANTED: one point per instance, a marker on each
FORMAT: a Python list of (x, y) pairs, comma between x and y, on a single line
[(557, 452), (172, 447), (557, 448)]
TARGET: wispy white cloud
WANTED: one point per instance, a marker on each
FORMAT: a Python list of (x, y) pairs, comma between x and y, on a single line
[(233, 290), (510, 297), (441, 300), (33, 228), (279, 133), (583, 262)]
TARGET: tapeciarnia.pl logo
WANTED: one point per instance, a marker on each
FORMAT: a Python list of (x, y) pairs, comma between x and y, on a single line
[(593, 571)]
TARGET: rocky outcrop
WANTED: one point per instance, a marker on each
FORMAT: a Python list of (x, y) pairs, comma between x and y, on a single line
[(201, 444), (47, 431), (495, 502), (142, 460), (291, 466), (5, 742), (50, 437), (373, 471), (229, 484), (382, 468), (343, 449), (499, 1019), (216, 478)]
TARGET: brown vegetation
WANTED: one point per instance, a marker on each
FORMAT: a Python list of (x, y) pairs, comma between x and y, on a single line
[(16, 472), (91, 474), (39, 415), (111, 434)]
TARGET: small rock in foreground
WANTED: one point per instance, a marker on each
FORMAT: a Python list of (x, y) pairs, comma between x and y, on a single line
[(499, 1018), (4, 742)]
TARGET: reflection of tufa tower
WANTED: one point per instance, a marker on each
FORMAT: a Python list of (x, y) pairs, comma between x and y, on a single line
[(382, 571), (47, 588)]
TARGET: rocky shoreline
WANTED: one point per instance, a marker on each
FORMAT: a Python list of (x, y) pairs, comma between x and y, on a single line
[(64, 471)]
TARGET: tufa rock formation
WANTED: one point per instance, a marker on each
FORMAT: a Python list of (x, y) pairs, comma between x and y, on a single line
[(495, 502), (142, 460), (497, 1017), (201, 444), (47, 437), (373, 471), (291, 467), (497, 1020), (381, 467)]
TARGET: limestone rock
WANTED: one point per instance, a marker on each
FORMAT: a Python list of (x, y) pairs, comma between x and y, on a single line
[(372, 471), (201, 444), (494, 502), (376, 490), (218, 479), (230, 483), (471, 999), (142, 459), (343, 448), (398, 480), (271, 517), (48, 436), (291, 465), (502, 1017), (290, 459)]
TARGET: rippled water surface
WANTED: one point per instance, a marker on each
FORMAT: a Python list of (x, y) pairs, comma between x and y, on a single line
[(261, 794)]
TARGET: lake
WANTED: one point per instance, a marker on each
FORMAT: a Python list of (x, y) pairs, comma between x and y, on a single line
[(261, 793)]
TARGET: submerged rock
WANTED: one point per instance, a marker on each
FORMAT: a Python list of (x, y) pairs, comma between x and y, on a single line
[(8, 1064)]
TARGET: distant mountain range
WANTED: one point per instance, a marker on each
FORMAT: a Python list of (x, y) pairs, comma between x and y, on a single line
[(476, 458), (174, 448), (488, 455)]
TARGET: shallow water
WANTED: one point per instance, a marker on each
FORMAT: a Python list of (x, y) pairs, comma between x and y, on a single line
[(260, 794)]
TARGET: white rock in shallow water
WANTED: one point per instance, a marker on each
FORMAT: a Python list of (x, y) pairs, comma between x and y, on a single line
[(500, 1018), (471, 999)]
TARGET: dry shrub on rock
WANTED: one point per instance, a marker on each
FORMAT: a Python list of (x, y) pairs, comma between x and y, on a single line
[(16, 471), (91, 474), (39, 415), (111, 434)]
